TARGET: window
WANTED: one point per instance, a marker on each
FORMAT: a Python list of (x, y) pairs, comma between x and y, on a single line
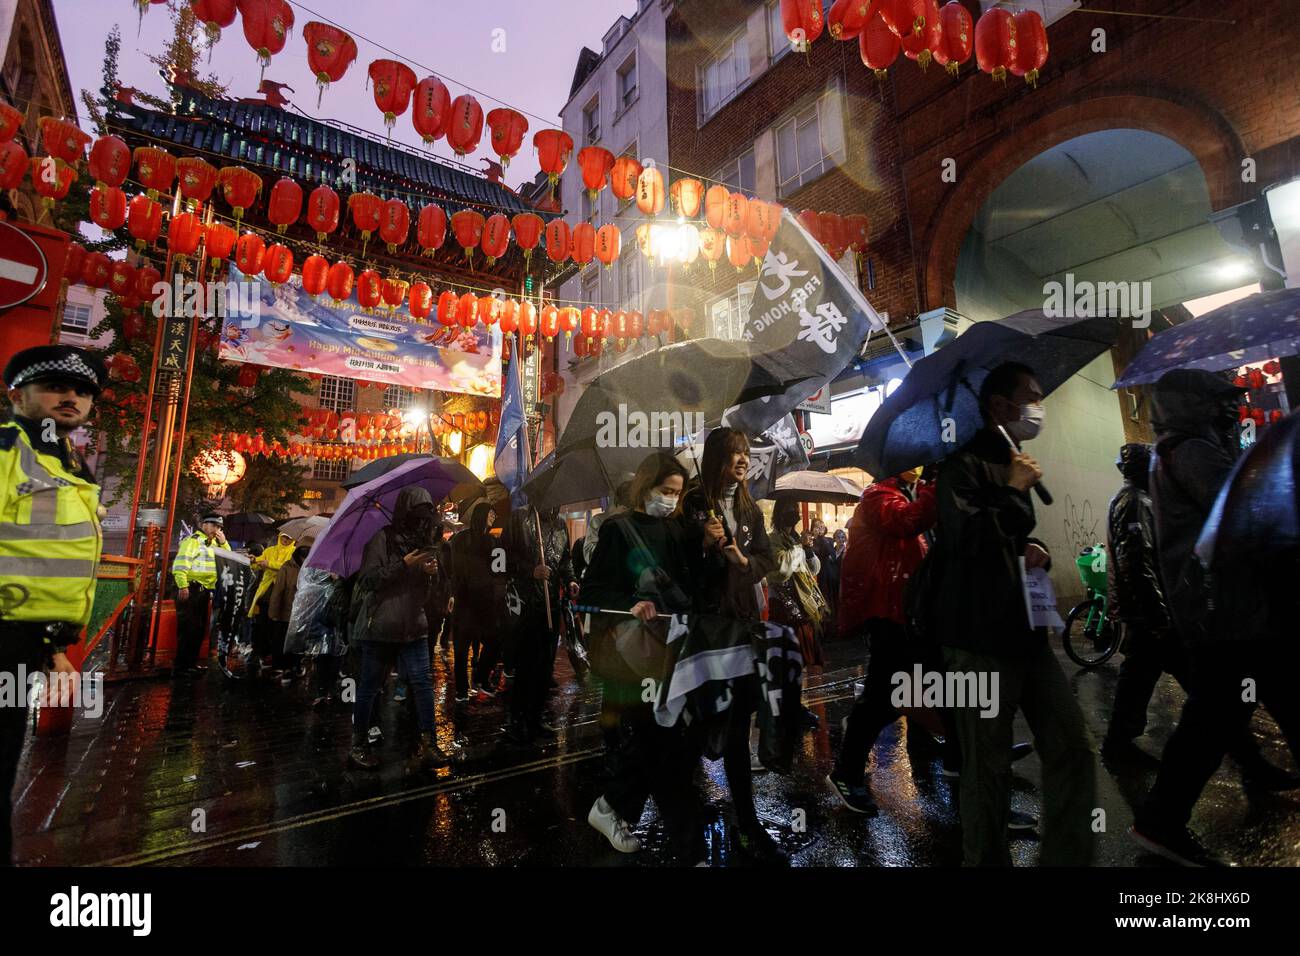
[(723, 76), (337, 394), (809, 143), (331, 470), (591, 122), (739, 174), (591, 286), (630, 265), (627, 82), (589, 206), (728, 314), (1049, 10), (76, 318), (399, 397), (778, 44)]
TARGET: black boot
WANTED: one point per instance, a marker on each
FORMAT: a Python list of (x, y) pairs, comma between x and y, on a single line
[(362, 755), (427, 755)]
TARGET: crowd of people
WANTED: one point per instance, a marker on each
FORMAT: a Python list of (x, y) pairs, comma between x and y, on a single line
[(929, 574)]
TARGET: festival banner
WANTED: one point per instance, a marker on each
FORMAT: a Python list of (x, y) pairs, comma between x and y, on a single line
[(287, 328)]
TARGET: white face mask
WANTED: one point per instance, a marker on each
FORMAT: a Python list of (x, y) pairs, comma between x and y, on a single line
[(1030, 423), (660, 506)]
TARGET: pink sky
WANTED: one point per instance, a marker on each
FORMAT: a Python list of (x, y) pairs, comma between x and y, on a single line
[(453, 39)]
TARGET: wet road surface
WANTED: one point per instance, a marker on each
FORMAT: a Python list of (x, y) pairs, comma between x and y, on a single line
[(216, 772)]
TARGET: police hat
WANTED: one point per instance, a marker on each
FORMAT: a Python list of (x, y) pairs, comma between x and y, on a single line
[(56, 363), (216, 519)]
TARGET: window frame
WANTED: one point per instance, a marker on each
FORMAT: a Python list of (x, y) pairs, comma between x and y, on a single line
[(701, 75), (624, 102), (65, 326), (788, 185), (331, 469), (407, 398), (591, 133), (729, 174), (335, 401)]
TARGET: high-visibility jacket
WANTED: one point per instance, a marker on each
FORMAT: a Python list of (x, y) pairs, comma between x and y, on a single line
[(196, 562), (50, 538), (274, 558)]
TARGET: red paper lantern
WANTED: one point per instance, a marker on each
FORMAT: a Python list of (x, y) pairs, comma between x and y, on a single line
[(557, 240), (508, 129), (736, 219), (995, 42), (155, 168), (431, 110), (857, 230), (110, 161), (496, 237), (833, 234), (595, 163), (738, 252), (846, 18), (369, 289), (195, 179), (431, 228), (567, 320), (624, 176), (184, 233), (802, 21), (239, 187), (367, 211), (279, 264), (687, 196), (650, 191), (811, 220), (467, 227), (878, 46), (11, 121), (447, 306), (926, 35), (527, 318), (420, 300), (220, 241), (757, 248), (394, 84), (394, 224), (266, 27), (121, 278), (323, 211), (509, 320), (13, 165), (713, 246), (95, 270), (51, 178), (107, 207), (957, 36), (527, 228), (62, 139), (73, 260), (467, 310), (464, 125), (330, 51), (758, 221), (609, 244), (215, 15), (133, 326), (635, 325), (250, 254), (553, 150), (715, 205), (146, 282), (315, 273), (549, 323), (284, 204), (489, 310), (582, 243), (593, 322), (144, 220), (1031, 46), (394, 291)]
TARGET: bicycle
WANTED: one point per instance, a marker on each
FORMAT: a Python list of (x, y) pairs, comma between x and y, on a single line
[(1090, 637)]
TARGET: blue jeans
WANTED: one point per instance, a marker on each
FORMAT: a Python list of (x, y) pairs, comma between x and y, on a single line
[(377, 659)]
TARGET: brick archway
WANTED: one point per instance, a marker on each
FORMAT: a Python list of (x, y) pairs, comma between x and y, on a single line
[(1201, 132)]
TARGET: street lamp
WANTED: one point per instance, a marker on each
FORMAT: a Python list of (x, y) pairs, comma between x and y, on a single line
[(218, 470)]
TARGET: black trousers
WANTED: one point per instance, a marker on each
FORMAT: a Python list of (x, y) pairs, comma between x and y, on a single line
[(891, 653), (21, 650), (534, 657), (645, 760), (1215, 715), (475, 629), (191, 625)]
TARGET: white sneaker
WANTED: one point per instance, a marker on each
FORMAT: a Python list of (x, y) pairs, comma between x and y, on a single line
[(614, 827), (756, 765)]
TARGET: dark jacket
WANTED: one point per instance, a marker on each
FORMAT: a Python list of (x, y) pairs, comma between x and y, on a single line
[(1134, 591), (473, 583), (618, 576), (390, 596), (721, 587), (983, 527), (1193, 460), (520, 542), (279, 605)]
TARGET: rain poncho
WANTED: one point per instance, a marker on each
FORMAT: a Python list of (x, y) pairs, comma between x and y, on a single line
[(272, 559)]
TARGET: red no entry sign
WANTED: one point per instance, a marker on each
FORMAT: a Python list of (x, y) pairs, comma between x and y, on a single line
[(23, 269)]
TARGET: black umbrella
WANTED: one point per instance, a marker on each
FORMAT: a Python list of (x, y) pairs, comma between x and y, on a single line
[(579, 474), (936, 409), (658, 400), (380, 466), (248, 525)]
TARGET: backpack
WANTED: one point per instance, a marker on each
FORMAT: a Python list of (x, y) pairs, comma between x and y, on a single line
[(919, 601)]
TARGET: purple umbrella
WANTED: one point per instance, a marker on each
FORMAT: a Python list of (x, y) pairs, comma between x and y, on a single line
[(369, 507)]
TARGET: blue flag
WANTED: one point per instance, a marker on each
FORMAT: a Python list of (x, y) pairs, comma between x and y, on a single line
[(512, 437)]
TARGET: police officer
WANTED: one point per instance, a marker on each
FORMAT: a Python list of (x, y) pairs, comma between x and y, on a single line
[(195, 571), (50, 536)]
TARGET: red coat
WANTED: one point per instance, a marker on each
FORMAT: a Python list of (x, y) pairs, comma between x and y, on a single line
[(885, 547)]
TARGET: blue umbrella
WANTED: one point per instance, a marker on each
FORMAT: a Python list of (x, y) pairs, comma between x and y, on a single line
[(1254, 329), (369, 507), (936, 409)]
